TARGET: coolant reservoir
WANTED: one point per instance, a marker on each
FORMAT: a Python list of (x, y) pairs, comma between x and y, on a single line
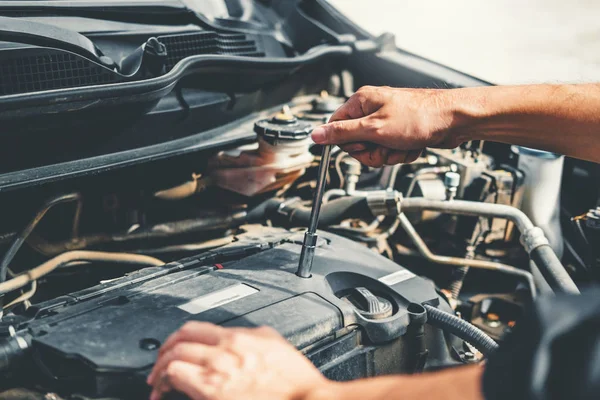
[(541, 191), (279, 158)]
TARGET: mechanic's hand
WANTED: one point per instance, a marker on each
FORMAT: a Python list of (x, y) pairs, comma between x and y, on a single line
[(383, 125), (205, 361)]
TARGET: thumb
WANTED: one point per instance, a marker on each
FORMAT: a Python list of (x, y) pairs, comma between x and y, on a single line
[(340, 132)]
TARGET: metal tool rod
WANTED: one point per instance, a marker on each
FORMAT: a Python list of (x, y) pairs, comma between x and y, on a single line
[(321, 180), (310, 237)]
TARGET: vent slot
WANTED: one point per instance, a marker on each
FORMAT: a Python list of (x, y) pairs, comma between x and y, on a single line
[(234, 44), (29, 70), (48, 69)]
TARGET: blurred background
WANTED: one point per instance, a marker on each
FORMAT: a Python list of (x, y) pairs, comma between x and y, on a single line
[(502, 41)]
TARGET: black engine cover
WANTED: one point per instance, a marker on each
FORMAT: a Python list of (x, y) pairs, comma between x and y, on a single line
[(103, 341)]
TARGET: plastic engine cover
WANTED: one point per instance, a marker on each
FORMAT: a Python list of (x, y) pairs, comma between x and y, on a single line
[(103, 341)]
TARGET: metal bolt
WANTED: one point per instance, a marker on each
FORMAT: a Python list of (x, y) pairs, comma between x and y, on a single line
[(592, 219), (451, 181), (431, 159), (149, 344), (493, 324)]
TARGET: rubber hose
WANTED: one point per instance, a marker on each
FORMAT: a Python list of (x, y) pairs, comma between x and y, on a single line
[(332, 213), (552, 270), (12, 349), (260, 212), (462, 329)]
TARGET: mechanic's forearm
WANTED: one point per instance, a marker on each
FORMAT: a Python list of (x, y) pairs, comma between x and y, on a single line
[(560, 118), (461, 383)]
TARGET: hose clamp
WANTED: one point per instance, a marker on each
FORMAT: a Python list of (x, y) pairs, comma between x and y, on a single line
[(21, 342), (533, 238), (384, 202)]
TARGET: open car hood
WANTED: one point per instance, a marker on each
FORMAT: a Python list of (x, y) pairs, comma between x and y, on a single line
[(98, 85)]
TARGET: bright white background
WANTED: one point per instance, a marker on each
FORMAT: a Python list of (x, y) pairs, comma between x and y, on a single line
[(502, 41)]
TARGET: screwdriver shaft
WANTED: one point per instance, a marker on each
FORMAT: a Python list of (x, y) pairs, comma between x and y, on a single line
[(320, 189), (310, 237)]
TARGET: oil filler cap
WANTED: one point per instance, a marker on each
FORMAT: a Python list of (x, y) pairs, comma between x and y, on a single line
[(369, 305)]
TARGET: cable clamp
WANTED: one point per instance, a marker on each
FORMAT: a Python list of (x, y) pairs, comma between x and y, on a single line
[(384, 202), (533, 238)]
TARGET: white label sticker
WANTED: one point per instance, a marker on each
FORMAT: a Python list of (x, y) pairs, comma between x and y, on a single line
[(396, 277), (218, 298)]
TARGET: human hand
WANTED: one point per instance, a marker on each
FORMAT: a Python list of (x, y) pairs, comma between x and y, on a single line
[(209, 362), (383, 125)]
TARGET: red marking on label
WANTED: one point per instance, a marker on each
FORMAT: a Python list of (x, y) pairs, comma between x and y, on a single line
[(219, 266)]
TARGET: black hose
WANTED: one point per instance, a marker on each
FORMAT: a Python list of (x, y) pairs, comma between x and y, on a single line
[(297, 214), (462, 329), (12, 350), (552, 270), (333, 212), (259, 213)]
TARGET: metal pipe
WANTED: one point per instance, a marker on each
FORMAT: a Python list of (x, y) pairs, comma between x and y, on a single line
[(532, 238), (461, 262), (391, 183), (333, 192), (310, 237), (553, 271), (472, 208), (68, 258), (20, 239), (191, 247), (23, 297)]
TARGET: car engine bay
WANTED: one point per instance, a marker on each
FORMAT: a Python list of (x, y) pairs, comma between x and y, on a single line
[(195, 209)]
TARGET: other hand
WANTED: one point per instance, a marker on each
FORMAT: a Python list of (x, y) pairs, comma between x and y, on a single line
[(205, 361)]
